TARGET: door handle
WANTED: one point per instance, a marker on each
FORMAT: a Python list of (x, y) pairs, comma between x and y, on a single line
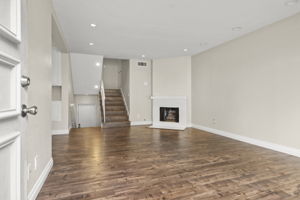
[(31, 110), (25, 81)]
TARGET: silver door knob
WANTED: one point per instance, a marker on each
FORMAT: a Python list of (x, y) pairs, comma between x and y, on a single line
[(31, 110), (25, 81)]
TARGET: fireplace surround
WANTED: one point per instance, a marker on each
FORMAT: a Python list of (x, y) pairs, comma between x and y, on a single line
[(169, 112)]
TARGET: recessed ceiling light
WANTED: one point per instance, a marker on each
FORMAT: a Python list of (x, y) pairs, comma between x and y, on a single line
[(143, 56), (93, 25), (238, 28), (91, 43), (96, 86), (97, 64), (291, 2), (185, 50)]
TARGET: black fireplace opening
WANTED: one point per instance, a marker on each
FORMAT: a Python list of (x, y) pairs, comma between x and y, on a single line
[(168, 114)]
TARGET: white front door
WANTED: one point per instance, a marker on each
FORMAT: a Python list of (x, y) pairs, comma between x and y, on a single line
[(11, 123), (87, 116)]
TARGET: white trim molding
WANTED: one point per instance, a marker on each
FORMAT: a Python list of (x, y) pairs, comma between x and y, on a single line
[(13, 32), (261, 143), (9, 138), (14, 82), (11, 145), (189, 125), (168, 97), (61, 132), (140, 123), (40, 182)]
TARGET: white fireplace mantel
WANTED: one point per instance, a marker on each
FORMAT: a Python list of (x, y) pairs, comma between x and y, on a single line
[(169, 101), (168, 97)]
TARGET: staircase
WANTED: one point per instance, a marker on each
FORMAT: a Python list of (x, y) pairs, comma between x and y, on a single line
[(115, 110)]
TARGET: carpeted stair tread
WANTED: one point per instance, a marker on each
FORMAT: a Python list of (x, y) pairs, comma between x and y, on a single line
[(115, 110)]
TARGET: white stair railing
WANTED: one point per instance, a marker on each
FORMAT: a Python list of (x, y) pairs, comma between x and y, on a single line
[(103, 99)]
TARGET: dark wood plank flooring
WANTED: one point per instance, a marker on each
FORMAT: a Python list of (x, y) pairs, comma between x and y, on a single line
[(142, 163)]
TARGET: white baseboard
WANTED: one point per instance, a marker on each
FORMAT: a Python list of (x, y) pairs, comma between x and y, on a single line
[(140, 123), (189, 125), (261, 143), (40, 181), (60, 132)]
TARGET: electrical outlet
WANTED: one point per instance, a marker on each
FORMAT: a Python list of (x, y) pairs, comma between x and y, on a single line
[(35, 162)]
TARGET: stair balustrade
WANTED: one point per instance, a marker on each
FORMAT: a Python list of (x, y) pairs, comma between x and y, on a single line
[(102, 91)]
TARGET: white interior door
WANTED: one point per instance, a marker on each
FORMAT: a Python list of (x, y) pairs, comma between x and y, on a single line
[(87, 115), (10, 100)]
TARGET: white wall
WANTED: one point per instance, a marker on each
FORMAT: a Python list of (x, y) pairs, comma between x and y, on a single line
[(89, 99), (85, 73), (140, 92), (57, 38), (66, 97), (172, 77), (66, 87), (112, 73), (250, 86), (72, 109), (38, 133)]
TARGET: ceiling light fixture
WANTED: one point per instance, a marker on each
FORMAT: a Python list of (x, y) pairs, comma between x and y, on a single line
[(238, 28), (91, 43), (143, 56), (97, 64), (185, 50), (96, 86), (291, 2), (93, 25)]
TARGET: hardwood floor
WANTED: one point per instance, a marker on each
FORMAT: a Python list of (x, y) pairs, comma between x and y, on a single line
[(143, 163)]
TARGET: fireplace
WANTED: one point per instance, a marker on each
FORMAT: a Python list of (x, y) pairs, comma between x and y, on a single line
[(168, 114)]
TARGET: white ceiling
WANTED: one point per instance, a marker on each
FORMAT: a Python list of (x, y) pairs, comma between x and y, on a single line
[(85, 73), (162, 28)]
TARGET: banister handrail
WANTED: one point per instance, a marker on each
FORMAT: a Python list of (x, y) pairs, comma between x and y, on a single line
[(103, 99)]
